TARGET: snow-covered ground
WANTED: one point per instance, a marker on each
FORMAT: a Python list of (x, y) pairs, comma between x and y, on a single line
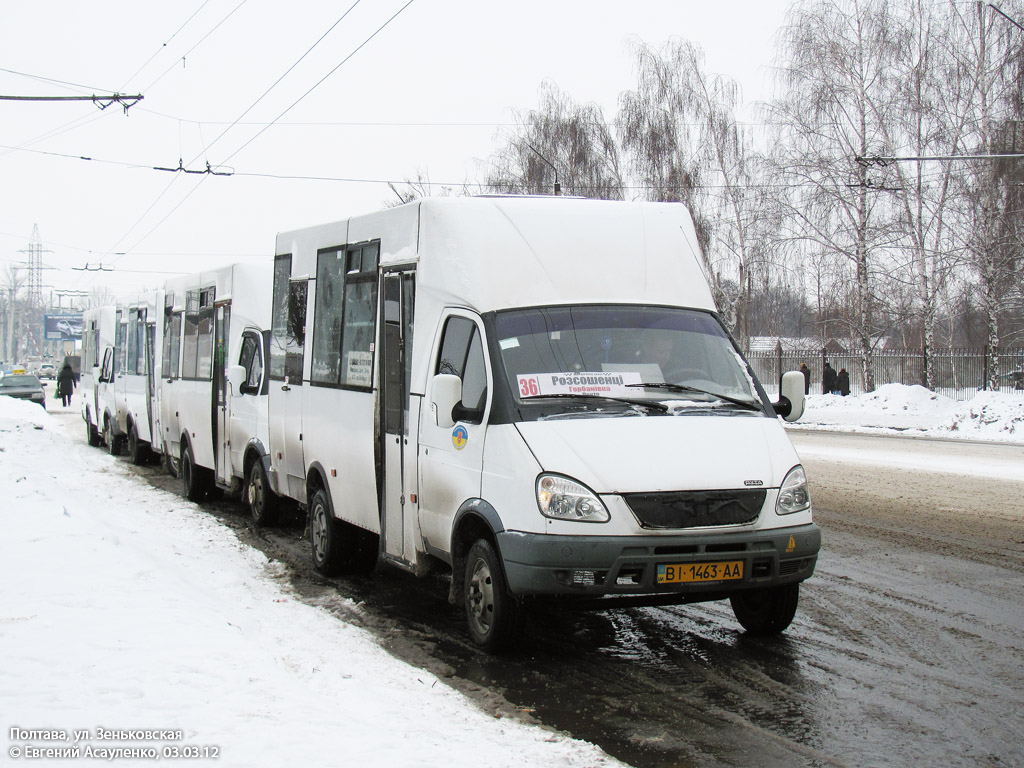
[(124, 607), (915, 410)]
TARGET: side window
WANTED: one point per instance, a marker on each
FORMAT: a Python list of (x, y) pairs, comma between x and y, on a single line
[(462, 354), (251, 358), (204, 367), (279, 318), (119, 333), (295, 341), (140, 343), (330, 277), (359, 316), (172, 345), (345, 316)]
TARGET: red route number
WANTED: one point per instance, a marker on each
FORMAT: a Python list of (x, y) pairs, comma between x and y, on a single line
[(529, 386)]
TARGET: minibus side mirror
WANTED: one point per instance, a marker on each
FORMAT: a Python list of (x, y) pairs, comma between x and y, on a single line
[(236, 379), (445, 393), (791, 398)]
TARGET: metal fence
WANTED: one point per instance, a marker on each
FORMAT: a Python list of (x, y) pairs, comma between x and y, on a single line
[(959, 373)]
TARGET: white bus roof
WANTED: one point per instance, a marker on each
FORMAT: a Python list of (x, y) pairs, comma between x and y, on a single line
[(492, 253)]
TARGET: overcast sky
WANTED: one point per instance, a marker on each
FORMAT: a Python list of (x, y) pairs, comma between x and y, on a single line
[(429, 93)]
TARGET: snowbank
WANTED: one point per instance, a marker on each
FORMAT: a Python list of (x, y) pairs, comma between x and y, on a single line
[(916, 410), (124, 607)]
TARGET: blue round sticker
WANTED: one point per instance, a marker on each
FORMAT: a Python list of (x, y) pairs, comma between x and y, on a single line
[(460, 437)]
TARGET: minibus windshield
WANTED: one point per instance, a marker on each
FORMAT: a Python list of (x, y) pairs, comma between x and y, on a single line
[(614, 351)]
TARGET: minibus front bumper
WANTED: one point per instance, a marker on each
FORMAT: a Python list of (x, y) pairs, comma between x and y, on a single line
[(704, 566)]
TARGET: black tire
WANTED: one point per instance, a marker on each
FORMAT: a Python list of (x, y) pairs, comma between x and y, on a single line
[(338, 547), (766, 611), (195, 482), (493, 615), (264, 505), (171, 464), (138, 450), (113, 440), (92, 435)]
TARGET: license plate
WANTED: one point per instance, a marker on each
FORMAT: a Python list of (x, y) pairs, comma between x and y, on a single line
[(690, 572)]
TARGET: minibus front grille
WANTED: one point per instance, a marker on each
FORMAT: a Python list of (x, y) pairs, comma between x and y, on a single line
[(695, 509)]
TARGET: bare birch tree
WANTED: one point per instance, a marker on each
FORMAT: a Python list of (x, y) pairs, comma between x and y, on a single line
[(834, 69), (684, 143), (559, 142)]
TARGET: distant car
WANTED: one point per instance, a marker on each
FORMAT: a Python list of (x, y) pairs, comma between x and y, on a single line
[(47, 371), (24, 386)]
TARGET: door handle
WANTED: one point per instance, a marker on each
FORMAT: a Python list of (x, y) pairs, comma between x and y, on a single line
[(285, 388)]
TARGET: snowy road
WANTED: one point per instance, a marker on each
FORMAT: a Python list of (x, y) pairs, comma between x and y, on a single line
[(907, 648)]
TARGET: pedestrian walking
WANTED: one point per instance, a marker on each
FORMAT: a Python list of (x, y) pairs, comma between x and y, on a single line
[(65, 384), (843, 382), (828, 380)]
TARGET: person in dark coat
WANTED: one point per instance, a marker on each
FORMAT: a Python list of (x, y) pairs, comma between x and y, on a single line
[(828, 380), (65, 384), (807, 378), (843, 382)]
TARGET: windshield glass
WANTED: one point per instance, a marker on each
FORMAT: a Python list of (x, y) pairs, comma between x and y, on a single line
[(630, 352)]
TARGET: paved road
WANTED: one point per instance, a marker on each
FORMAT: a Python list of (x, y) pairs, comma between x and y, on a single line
[(907, 649)]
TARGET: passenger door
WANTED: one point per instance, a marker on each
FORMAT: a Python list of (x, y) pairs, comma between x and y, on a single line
[(222, 400), (398, 292), (245, 403), (451, 458), (288, 341)]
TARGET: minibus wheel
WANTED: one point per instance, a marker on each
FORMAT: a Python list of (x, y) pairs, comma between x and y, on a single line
[(170, 463), (766, 611), (138, 451), (338, 547), (493, 615), (92, 435), (194, 485), (263, 503), (112, 439)]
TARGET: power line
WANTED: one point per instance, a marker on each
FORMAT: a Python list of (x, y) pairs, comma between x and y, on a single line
[(158, 50)]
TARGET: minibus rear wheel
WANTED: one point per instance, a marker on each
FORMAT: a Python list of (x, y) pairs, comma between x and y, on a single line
[(338, 546), (194, 480), (113, 440), (766, 611), (138, 450), (493, 614), (92, 435)]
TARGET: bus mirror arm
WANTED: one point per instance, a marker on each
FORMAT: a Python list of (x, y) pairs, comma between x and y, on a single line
[(791, 397)]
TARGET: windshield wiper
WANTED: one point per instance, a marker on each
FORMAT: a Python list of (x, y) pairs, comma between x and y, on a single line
[(627, 400), (686, 388)]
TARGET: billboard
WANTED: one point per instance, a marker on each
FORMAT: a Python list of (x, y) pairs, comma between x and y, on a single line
[(63, 327)]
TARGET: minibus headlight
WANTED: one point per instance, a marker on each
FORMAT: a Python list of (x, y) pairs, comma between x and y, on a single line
[(564, 499), (793, 495)]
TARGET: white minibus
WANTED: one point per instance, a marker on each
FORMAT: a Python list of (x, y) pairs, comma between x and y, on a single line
[(537, 394)]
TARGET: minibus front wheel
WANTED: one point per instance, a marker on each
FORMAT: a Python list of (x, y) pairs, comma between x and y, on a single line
[(493, 614), (766, 611)]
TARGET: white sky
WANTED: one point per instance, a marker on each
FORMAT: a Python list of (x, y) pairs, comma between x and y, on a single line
[(454, 68)]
